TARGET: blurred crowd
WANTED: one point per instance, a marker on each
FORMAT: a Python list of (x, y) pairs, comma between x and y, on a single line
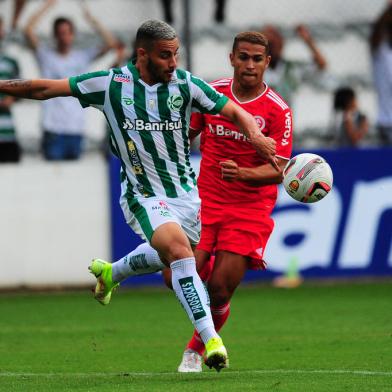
[(63, 120)]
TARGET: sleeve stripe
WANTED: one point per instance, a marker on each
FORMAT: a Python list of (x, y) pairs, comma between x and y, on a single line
[(284, 107), (277, 100)]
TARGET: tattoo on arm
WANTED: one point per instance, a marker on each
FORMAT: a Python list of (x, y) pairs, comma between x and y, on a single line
[(15, 83), (17, 87)]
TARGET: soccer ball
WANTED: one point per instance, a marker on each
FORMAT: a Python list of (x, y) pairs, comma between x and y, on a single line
[(307, 178)]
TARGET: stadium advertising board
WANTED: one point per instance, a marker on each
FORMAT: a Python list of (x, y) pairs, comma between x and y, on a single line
[(347, 234)]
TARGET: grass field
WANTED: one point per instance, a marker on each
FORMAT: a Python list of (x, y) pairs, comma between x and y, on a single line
[(314, 338)]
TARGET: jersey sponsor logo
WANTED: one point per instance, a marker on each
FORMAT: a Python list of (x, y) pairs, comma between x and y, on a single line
[(135, 161), (220, 130), (128, 101), (122, 78), (287, 129), (175, 102), (141, 125), (192, 297)]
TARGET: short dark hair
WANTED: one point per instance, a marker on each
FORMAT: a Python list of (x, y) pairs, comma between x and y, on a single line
[(253, 37), (153, 30), (60, 21), (343, 97)]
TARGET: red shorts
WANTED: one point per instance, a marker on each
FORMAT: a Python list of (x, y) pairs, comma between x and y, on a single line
[(237, 230)]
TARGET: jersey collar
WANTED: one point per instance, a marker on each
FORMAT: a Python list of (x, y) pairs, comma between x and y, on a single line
[(251, 100)]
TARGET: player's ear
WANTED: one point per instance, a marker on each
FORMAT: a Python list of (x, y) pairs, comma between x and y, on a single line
[(141, 53), (268, 61), (232, 59)]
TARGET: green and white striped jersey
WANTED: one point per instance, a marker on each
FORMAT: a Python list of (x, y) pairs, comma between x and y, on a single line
[(149, 125), (8, 70)]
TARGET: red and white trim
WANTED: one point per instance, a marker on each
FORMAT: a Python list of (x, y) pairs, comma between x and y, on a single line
[(279, 101)]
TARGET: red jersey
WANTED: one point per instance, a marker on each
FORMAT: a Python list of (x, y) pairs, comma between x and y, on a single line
[(222, 140)]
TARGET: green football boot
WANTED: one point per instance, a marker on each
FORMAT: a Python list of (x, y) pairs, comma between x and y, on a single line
[(102, 270), (216, 354)]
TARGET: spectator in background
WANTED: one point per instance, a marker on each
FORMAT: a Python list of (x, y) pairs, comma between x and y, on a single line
[(381, 53), (18, 7), (63, 119), (285, 76), (349, 126), (219, 13), (9, 147)]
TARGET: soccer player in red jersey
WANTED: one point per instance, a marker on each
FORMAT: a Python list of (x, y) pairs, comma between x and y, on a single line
[(238, 189)]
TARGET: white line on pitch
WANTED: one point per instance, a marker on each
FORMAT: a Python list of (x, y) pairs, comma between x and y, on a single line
[(157, 374)]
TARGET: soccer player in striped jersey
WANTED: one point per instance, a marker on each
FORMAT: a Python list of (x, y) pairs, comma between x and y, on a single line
[(148, 104), (237, 187)]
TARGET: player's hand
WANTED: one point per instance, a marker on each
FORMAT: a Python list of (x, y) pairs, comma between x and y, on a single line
[(266, 148), (230, 170)]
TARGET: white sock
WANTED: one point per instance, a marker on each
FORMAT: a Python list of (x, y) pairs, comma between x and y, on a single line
[(142, 260), (193, 296)]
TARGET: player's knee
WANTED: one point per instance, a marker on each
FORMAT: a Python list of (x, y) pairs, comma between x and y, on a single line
[(177, 251), (220, 293)]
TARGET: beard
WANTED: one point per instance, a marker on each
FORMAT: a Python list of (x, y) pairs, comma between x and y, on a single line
[(156, 73)]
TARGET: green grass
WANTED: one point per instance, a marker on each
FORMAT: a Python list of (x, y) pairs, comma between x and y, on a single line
[(314, 338)]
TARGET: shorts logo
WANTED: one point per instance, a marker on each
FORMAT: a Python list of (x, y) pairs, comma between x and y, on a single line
[(122, 78), (260, 122), (163, 205), (163, 209), (259, 251), (175, 102)]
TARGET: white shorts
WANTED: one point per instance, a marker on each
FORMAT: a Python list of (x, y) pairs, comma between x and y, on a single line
[(145, 215)]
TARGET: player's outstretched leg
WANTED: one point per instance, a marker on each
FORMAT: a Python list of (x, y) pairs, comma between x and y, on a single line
[(142, 260), (102, 270)]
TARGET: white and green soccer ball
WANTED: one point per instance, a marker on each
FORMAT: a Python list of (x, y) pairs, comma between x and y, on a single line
[(307, 178)]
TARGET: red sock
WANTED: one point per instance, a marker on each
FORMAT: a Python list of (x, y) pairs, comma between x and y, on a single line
[(219, 315)]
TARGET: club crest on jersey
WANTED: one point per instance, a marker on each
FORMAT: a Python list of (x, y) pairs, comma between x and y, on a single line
[(122, 78), (260, 122), (175, 102), (177, 81)]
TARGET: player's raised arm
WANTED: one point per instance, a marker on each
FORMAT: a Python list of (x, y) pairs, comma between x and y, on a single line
[(36, 88), (265, 146), (29, 30)]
